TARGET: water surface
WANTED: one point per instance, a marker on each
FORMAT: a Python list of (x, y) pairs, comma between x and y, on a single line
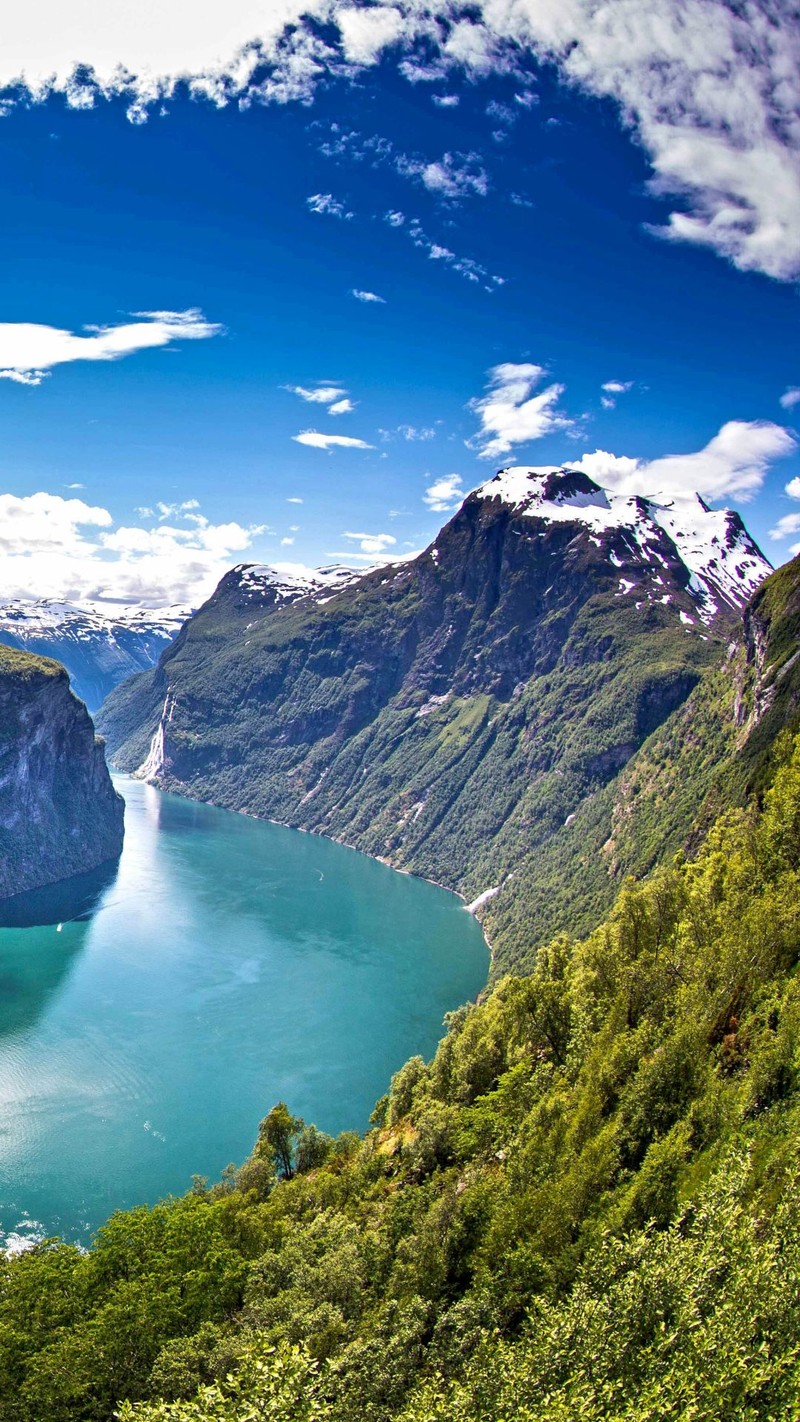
[(152, 1014)]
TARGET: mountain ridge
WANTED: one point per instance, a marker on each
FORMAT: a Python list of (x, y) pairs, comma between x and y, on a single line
[(463, 714)]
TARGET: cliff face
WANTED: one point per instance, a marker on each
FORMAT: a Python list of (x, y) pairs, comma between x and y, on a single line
[(59, 813)]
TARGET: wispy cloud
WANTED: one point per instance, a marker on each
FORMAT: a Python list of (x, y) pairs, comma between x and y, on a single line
[(28, 352), (466, 267), (315, 440), (317, 394), (455, 175), (445, 494), (735, 461), (409, 432), (790, 397), (368, 296), (372, 544), (612, 389), (341, 407), (327, 205), (511, 414)]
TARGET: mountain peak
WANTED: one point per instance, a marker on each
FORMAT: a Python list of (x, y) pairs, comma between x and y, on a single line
[(723, 563)]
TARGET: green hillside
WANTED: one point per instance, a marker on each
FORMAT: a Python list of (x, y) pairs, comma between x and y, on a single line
[(466, 716), (585, 1206)]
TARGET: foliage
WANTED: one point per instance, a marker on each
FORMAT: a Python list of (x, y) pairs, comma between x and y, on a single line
[(582, 1207)]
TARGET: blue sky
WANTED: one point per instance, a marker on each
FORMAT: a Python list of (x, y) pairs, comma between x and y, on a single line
[(507, 223)]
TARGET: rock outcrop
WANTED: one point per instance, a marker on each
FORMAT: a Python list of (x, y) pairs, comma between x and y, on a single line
[(59, 812)]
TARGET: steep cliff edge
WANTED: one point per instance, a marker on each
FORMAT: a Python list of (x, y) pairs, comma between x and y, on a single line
[(59, 813)]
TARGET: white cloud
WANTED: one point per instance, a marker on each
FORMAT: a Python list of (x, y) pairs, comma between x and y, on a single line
[(793, 488), (790, 397), (28, 351), (394, 218), (445, 494), (366, 33), (409, 432), (70, 550), (709, 89), (327, 204), (465, 266), (789, 524), (510, 414), (165, 511), (455, 175), (341, 407), (445, 101), (294, 500), (372, 543), (368, 296), (617, 387), (320, 395), (287, 542), (75, 486), (735, 461), (315, 440)]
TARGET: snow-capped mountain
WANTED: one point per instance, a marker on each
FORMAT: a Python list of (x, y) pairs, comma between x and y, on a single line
[(100, 644), (642, 536), (263, 583)]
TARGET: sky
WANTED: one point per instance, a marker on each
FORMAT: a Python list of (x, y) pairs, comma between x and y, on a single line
[(281, 282)]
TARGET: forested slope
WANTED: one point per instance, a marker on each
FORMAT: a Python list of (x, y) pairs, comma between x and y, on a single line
[(468, 715), (585, 1206)]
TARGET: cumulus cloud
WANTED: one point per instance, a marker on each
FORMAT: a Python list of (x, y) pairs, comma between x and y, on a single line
[(709, 89), (368, 296), (445, 494), (790, 397), (70, 550), (326, 204), (511, 414), (735, 461), (28, 352), (341, 407), (315, 440), (617, 387), (793, 488)]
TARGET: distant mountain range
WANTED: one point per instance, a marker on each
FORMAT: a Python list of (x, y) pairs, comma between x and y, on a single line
[(100, 645), (468, 714)]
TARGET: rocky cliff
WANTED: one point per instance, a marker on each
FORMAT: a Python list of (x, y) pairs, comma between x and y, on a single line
[(59, 813), (466, 715)]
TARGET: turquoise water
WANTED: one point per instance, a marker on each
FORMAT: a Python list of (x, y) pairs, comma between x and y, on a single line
[(151, 1016)]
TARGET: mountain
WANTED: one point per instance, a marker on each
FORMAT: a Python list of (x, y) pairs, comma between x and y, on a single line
[(100, 647), (585, 1206), (59, 813), (466, 715)]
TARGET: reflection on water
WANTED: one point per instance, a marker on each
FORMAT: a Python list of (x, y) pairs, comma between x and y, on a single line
[(148, 1021), (66, 902)]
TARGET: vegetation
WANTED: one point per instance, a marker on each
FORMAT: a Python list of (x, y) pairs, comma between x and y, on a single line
[(464, 714), (582, 1207)]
